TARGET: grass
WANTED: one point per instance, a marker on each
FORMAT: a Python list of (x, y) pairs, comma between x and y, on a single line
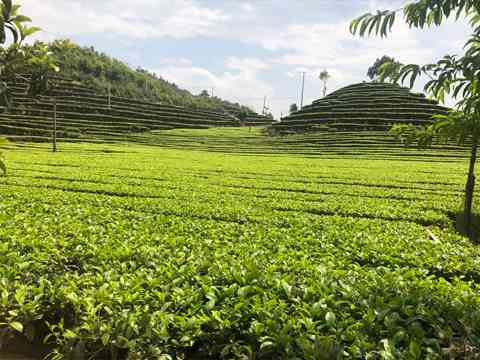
[(225, 243)]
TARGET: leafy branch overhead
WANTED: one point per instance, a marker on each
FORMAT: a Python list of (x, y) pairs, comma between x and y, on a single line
[(15, 23), (17, 59), (457, 127), (418, 14), (457, 76)]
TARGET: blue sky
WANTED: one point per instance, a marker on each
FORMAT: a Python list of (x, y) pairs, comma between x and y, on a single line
[(244, 50)]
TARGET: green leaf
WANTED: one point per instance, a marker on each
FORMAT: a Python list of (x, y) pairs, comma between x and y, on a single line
[(212, 299), (28, 31), (414, 349), (286, 287), (70, 334), (20, 295), (105, 339), (122, 342), (21, 19), (330, 318), (16, 326)]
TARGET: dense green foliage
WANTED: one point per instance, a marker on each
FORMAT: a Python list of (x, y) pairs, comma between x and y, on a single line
[(98, 70), (455, 126), (293, 108), (16, 58), (374, 72), (365, 106), (177, 254)]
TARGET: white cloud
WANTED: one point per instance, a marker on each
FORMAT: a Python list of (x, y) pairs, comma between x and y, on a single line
[(241, 84), (247, 65), (176, 61), (247, 7), (133, 19)]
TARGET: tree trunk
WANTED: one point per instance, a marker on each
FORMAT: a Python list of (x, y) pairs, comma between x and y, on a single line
[(469, 187)]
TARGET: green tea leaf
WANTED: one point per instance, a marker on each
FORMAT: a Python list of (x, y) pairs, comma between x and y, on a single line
[(17, 326)]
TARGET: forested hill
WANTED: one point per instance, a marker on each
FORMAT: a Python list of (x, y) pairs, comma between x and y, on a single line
[(98, 70)]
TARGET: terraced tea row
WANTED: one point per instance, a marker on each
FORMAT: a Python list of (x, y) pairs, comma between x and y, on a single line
[(364, 144), (84, 116), (366, 106)]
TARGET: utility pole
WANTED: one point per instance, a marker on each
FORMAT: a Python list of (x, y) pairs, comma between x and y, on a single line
[(109, 95), (212, 91), (264, 105), (110, 85), (54, 124), (303, 89)]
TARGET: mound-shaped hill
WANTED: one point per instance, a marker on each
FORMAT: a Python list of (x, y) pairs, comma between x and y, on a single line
[(365, 106), (84, 115)]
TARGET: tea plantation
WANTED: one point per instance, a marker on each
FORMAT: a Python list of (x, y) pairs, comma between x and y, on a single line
[(83, 115), (365, 106), (226, 243)]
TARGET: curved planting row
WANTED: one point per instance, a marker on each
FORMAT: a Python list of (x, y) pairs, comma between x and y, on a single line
[(257, 120), (365, 106), (84, 115)]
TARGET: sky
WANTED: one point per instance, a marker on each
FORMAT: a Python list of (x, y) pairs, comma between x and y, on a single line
[(243, 51)]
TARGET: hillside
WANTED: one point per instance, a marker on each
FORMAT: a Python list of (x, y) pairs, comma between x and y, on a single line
[(83, 115), (98, 70), (364, 106), (85, 112)]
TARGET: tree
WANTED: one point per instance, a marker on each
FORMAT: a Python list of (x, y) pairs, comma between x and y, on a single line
[(18, 59), (243, 114), (11, 57), (324, 76), (293, 108), (204, 93), (457, 76), (374, 72)]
